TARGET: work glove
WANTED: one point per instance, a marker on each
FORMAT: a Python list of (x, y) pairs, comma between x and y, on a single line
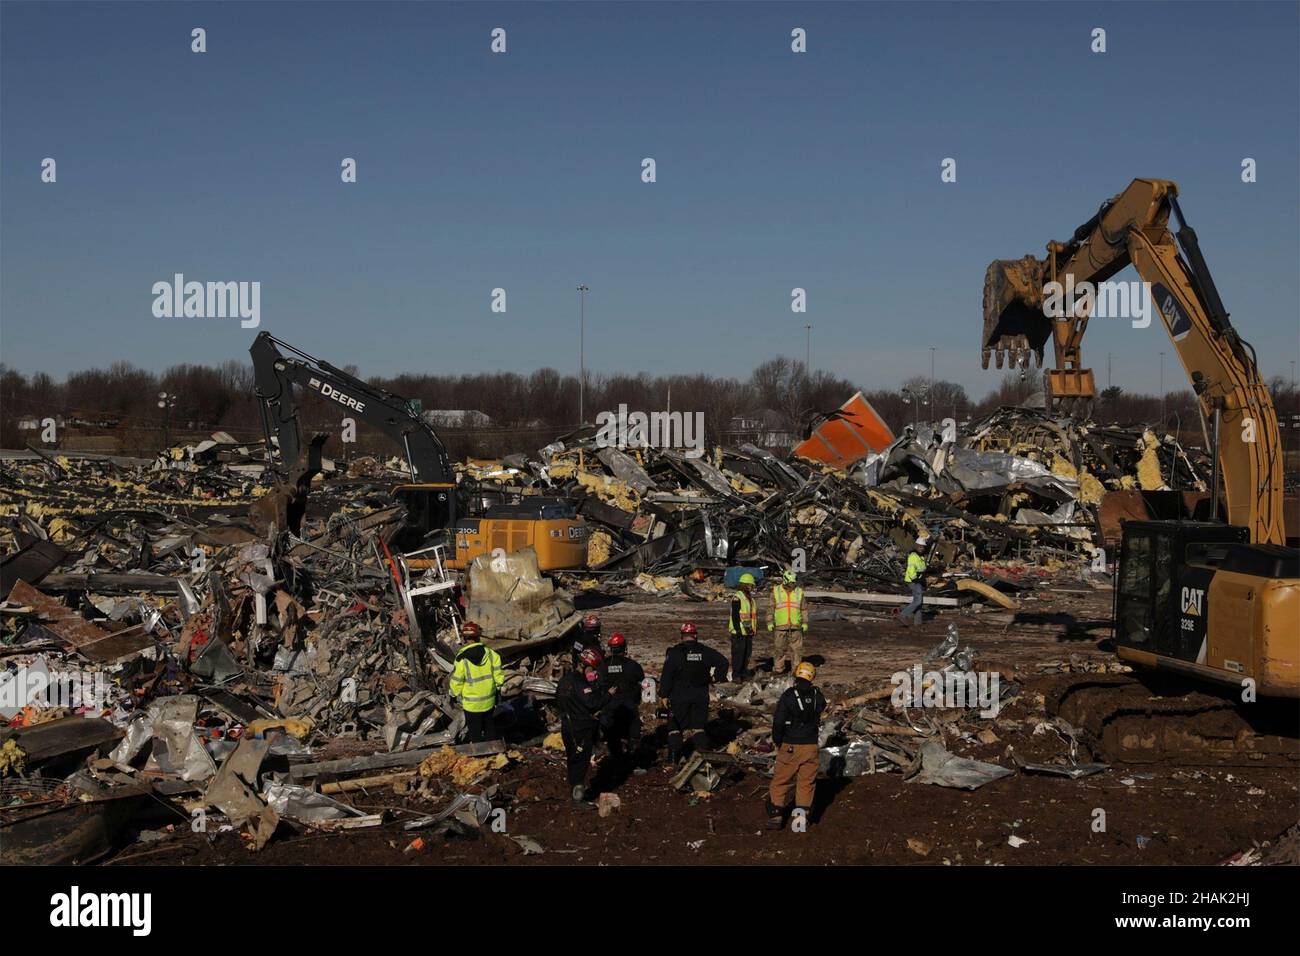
[(771, 626), (804, 627), (663, 702)]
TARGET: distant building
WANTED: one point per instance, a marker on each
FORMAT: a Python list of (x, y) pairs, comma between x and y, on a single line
[(764, 427), (456, 418)]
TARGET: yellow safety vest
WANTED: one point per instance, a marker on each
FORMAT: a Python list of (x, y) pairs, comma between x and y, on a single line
[(787, 606), (915, 565), (476, 684), (748, 615)]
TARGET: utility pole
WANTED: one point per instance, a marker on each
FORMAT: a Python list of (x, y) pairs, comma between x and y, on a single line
[(931, 369), (807, 350), (582, 350), (1109, 356)]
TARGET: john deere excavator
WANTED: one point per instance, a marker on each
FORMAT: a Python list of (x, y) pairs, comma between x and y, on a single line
[(1206, 611), (549, 525)]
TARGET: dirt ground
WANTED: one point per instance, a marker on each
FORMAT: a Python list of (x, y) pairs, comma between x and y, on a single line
[(1153, 814)]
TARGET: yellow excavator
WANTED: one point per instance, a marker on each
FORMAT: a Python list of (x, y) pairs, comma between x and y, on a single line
[(1217, 601)]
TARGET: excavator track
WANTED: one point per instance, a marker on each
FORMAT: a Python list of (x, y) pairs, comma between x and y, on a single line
[(1130, 721)]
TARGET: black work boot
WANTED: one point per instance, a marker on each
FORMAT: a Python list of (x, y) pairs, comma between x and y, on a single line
[(775, 817)]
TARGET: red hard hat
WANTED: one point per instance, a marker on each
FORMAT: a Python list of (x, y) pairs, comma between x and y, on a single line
[(470, 629), (617, 640), (592, 657), (689, 629), (591, 623)]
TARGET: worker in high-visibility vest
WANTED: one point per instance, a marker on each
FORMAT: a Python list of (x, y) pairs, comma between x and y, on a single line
[(789, 621), (742, 623), (475, 680), (914, 578)]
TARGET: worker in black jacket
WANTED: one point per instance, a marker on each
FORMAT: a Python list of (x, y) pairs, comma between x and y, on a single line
[(580, 697), (794, 732), (622, 677), (689, 668), (588, 637)]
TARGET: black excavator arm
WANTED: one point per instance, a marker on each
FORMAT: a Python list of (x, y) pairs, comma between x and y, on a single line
[(277, 369)]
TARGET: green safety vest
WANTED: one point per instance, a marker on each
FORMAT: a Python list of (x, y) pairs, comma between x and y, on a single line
[(476, 684), (748, 615), (787, 606), (915, 565)]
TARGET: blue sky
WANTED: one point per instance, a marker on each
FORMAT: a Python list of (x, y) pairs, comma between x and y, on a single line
[(522, 171)]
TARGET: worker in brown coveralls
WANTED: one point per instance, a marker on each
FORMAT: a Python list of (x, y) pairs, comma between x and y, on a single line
[(794, 732)]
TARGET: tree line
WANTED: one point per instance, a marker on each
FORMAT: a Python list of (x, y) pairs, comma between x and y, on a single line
[(119, 404)]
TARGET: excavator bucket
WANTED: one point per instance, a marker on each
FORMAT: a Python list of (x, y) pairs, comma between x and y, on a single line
[(286, 504), (1014, 324)]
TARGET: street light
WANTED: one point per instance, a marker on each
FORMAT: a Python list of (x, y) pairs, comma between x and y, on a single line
[(918, 397), (582, 349), (166, 403)]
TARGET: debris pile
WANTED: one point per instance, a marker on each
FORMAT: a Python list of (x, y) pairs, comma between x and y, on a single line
[(1018, 484), (152, 644), (155, 646)]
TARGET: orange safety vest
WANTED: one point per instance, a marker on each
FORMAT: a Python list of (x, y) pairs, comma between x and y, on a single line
[(787, 603)]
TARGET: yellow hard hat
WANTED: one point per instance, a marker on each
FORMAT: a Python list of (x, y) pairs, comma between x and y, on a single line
[(805, 670), (788, 577), (746, 578)]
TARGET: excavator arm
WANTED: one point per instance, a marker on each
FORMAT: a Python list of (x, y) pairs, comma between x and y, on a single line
[(279, 368), (1133, 229)]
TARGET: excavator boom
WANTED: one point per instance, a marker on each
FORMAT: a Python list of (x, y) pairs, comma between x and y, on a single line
[(1133, 228), (279, 369)]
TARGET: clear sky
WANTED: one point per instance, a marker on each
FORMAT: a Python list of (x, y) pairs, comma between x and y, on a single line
[(522, 171)]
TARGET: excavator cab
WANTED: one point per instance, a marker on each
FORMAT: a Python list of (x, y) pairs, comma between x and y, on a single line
[(1159, 597), (428, 506), (1195, 597)]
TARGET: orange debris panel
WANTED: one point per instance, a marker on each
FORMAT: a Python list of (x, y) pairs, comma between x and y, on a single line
[(852, 433)]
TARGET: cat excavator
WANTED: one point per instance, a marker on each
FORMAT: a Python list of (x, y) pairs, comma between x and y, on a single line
[(1207, 612), (548, 525)]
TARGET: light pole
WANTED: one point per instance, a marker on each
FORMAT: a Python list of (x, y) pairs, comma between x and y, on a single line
[(932, 368), (1162, 389), (166, 403), (807, 350), (582, 349), (916, 397)]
